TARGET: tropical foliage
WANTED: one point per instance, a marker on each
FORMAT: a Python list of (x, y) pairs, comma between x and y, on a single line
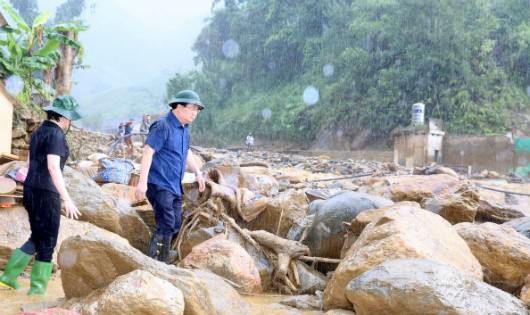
[(468, 61), (26, 51)]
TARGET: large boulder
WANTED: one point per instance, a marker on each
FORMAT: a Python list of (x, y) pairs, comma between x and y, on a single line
[(503, 253), (264, 265), (421, 286), (491, 211), (421, 187), (261, 183), (104, 211), (325, 235), (137, 292), (89, 263), (281, 212), (228, 260), (15, 231), (400, 232), (460, 206)]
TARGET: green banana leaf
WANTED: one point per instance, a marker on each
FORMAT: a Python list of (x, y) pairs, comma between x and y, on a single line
[(38, 63), (41, 19), (50, 46), (8, 29), (8, 65), (17, 18), (64, 40), (34, 65), (68, 27)]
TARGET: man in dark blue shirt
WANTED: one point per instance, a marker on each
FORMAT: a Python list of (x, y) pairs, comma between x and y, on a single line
[(165, 156)]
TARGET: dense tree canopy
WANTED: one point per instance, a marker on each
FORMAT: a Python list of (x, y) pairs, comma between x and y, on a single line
[(468, 61)]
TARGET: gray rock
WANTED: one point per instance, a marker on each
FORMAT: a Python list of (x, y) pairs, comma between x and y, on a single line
[(325, 235), (421, 286)]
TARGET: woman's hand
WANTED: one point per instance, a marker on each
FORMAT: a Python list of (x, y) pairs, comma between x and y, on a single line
[(71, 210)]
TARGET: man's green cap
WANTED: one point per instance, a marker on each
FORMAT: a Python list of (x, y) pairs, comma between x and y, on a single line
[(187, 97)]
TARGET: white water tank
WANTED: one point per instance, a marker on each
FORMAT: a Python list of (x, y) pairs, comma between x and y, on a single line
[(418, 114)]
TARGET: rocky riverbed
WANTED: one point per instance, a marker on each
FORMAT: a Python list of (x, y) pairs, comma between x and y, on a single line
[(301, 235)]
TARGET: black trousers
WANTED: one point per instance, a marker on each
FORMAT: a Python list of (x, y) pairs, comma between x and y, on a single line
[(168, 209), (44, 211)]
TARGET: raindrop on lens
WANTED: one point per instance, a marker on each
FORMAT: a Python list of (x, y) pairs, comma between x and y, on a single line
[(310, 95), (339, 133), (328, 70), (367, 44), (67, 259), (14, 84), (222, 83), (528, 90), (230, 48), (272, 65), (266, 113)]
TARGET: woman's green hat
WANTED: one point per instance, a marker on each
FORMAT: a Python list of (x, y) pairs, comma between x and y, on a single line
[(66, 106)]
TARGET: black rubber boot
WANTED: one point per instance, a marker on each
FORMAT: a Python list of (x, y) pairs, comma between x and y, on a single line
[(155, 246), (164, 251)]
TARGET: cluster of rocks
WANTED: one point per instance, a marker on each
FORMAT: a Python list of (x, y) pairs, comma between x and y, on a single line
[(355, 236)]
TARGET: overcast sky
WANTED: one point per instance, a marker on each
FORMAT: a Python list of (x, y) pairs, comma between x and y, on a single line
[(133, 41)]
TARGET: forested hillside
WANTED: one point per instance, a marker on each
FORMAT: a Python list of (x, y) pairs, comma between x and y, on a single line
[(290, 69)]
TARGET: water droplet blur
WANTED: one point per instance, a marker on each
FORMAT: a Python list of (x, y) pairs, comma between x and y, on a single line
[(266, 113), (353, 84), (503, 156), (528, 90), (222, 82), (310, 95), (123, 206), (339, 133), (14, 84), (367, 44), (230, 48), (67, 259), (328, 70), (272, 65)]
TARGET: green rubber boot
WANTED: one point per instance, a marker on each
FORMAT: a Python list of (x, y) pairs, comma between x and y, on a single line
[(40, 275), (16, 264)]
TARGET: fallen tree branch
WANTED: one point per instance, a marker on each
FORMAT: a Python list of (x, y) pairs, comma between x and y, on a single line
[(320, 259)]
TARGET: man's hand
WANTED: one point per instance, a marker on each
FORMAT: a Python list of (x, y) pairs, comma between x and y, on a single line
[(140, 191), (200, 180)]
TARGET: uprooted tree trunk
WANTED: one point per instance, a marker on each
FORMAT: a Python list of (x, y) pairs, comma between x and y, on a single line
[(220, 201), (286, 251)]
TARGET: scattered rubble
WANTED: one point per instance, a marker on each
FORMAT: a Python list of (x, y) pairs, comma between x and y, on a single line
[(337, 231)]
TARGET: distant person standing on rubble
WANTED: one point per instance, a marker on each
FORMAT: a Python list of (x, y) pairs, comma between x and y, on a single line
[(165, 156), (146, 123), (119, 135), (144, 127), (128, 131), (44, 192), (250, 142)]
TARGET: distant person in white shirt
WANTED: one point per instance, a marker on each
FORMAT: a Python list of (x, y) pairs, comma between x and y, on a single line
[(250, 142)]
